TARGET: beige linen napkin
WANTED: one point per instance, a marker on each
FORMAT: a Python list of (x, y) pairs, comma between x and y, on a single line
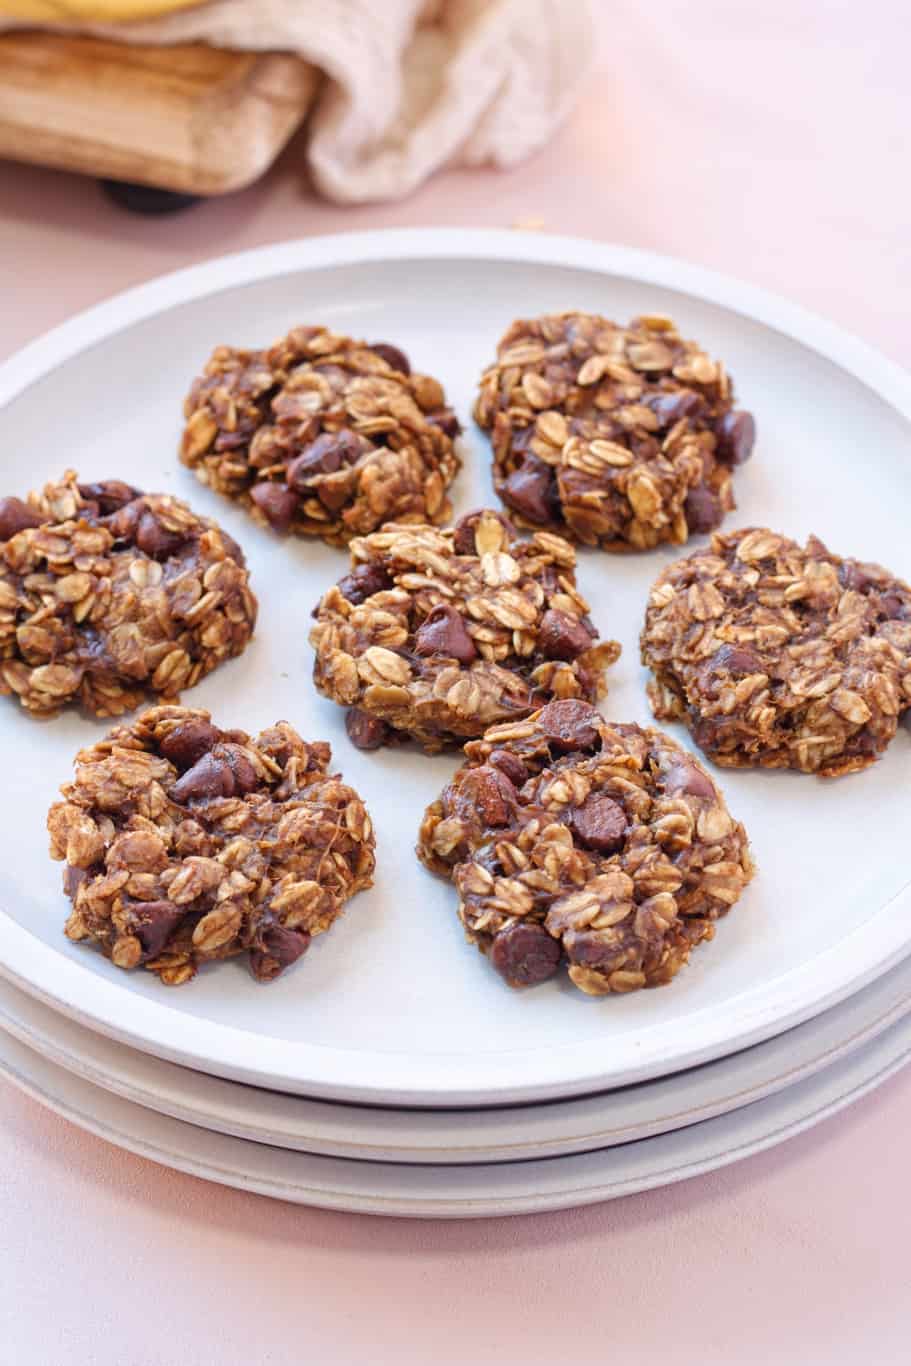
[(411, 86)]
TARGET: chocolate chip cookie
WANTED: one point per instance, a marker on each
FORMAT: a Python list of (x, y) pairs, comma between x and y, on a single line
[(320, 435), (438, 634), (572, 839), (186, 844), (622, 437), (108, 594), (780, 655)]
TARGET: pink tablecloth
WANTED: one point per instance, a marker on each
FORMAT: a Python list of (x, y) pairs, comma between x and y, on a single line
[(767, 141)]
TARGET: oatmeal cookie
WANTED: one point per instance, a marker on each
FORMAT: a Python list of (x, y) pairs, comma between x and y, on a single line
[(108, 594), (438, 634), (780, 655), (570, 838), (185, 843), (623, 437), (322, 436)]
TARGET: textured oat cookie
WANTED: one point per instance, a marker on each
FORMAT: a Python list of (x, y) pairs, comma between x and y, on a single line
[(108, 594), (623, 437), (569, 837), (185, 844), (438, 634), (780, 655), (320, 435)]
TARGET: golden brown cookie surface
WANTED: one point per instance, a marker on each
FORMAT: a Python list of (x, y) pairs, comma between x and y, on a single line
[(322, 435), (185, 844), (780, 655), (569, 838), (437, 634), (623, 437), (108, 594)]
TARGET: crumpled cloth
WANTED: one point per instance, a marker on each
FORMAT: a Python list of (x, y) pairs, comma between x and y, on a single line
[(411, 86)]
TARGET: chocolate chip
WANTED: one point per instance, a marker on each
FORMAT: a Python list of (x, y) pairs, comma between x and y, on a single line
[(736, 435), (122, 524), (520, 441), (465, 528), (670, 408), (334, 495), (600, 824), (223, 772), (277, 503), (153, 923), (714, 733), (109, 494), (364, 731), (569, 724), (245, 776), (510, 764), (232, 441), (532, 491), (492, 794), (524, 955), (16, 516), (187, 743), (864, 743), (327, 454), (590, 949), (363, 582), (154, 540), (737, 659), (587, 680), (280, 948), (702, 509), (688, 778), (858, 577), (561, 636), (73, 879), (852, 574), (443, 633), (895, 607), (447, 422), (209, 777), (392, 356)]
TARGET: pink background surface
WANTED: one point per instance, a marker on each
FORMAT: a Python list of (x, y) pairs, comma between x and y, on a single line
[(765, 141)]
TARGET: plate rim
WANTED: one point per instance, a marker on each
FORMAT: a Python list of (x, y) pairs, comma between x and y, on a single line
[(528, 1187), (379, 1134), (413, 1080)]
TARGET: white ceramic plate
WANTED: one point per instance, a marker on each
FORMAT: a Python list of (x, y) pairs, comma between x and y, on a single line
[(500, 1134), (392, 1007), (459, 1192)]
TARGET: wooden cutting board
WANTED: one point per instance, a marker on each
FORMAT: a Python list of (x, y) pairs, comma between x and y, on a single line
[(191, 118)]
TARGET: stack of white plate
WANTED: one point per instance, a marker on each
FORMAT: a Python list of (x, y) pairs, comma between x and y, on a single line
[(390, 1070)]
